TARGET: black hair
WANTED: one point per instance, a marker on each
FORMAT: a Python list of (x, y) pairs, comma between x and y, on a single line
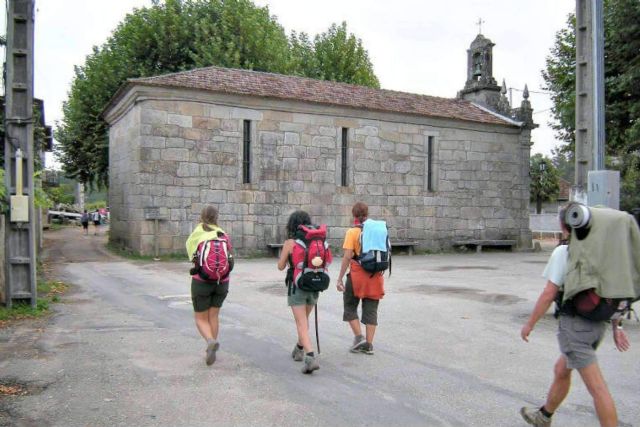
[(296, 219)]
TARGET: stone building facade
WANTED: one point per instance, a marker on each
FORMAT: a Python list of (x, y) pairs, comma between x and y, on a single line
[(260, 145)]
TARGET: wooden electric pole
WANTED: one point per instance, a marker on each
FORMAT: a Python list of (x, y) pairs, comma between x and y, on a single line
[(20, 244)]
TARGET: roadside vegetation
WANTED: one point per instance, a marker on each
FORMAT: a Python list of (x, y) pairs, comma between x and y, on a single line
[(48, 292)]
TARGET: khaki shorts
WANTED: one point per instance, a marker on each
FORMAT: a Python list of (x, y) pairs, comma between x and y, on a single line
[(300, 297), (579, 338)]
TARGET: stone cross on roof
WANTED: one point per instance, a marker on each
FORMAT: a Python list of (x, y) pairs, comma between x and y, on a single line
[(479, 24)]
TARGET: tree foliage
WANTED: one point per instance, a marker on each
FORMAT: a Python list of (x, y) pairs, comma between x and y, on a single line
[(564, 163), (334, 55), (545, 180), (178, 35), (622, 92)]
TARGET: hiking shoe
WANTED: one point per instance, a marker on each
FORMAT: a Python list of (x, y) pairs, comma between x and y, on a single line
[(212, 347), (534, 417), (358, 341), (368, 349), (310, 364), (297, 354)]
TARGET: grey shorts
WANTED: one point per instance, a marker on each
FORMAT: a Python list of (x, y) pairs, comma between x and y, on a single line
[(300, 297), (579, 338), (369, 306)]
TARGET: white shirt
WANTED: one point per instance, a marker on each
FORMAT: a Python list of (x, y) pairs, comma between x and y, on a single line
[(556, 269)]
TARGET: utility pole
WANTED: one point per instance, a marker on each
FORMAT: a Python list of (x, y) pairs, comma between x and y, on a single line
[(593, 184), (20, 265)]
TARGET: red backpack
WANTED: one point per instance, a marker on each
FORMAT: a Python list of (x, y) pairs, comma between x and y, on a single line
[(310, 258), (213, 259)]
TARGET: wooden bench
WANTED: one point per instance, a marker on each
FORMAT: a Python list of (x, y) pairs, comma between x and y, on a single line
[(480, 243), (275, 248), (405, 244)]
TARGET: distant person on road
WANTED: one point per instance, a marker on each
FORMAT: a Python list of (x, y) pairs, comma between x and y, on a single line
[(209, 248), (361, 286), (578, 338), (301, 302), (95, 216), (84, 220)]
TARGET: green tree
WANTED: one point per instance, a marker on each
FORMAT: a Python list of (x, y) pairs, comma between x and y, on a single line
[(178, 35), (545, 183), (339, 56), (61, 194), (622, 92), (564, 163)]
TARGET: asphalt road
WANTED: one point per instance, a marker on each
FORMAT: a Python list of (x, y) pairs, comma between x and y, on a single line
[(122, 349)]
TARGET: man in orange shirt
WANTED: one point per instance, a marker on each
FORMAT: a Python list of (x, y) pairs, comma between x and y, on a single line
[(360, 286)]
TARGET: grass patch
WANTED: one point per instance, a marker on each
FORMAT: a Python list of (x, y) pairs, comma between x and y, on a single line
[(48, 292), (123, 252), (55, 226)]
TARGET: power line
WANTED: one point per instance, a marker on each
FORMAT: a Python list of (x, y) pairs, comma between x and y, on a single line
[(532, 91)]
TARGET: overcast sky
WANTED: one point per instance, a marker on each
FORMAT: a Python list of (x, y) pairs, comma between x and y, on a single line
[(416, 46)]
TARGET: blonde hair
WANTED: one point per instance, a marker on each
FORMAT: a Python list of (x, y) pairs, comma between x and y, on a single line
[(209, 216)]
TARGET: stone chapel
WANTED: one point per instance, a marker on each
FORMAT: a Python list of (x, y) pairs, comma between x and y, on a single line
[(260, 145)]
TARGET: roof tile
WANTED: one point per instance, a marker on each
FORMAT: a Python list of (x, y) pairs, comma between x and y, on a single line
[(254, 83)]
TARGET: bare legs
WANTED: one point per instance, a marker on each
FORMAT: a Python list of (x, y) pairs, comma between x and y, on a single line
[(560, 386), (301, 316), (357, 330), (597, 387), (207, 323), (602, 400)]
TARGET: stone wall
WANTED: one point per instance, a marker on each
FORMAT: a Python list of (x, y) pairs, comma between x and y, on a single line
[(179, 155)]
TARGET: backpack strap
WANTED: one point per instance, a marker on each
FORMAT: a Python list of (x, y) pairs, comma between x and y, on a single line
[(361, 227)]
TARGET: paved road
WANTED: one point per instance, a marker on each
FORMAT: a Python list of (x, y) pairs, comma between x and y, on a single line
[(122, 349)]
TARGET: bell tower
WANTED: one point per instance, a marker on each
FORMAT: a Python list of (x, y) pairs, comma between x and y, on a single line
[(481, 87)]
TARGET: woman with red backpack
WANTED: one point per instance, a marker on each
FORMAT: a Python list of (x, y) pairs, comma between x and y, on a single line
[(300, 300), (209, 248)]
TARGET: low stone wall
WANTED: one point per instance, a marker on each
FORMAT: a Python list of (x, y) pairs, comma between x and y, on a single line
[(547, 223)]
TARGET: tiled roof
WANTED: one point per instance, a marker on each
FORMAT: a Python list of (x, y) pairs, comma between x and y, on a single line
[(268, 85)]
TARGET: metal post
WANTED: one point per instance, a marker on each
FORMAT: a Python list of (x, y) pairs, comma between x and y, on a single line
[(20, 265), (156, 230)]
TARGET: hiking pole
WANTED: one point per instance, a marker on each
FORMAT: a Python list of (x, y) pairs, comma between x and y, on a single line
[(317, 336)]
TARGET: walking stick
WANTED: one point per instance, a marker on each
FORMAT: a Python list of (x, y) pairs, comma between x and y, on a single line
[(317, 336)]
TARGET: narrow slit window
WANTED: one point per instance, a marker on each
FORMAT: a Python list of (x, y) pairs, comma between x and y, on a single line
[(345, 152), (246, 152), (430, 163)]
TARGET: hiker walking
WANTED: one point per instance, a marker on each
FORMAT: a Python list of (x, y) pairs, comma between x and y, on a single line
[(361, 285), (578, 338), (307, 255), (84, 220), (95, 217), (209, 248)]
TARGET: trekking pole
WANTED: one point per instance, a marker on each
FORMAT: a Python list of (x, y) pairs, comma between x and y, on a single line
[(317, 336)]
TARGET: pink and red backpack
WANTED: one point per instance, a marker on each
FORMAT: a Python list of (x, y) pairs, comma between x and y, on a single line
[(310, 258), (213, 259)]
